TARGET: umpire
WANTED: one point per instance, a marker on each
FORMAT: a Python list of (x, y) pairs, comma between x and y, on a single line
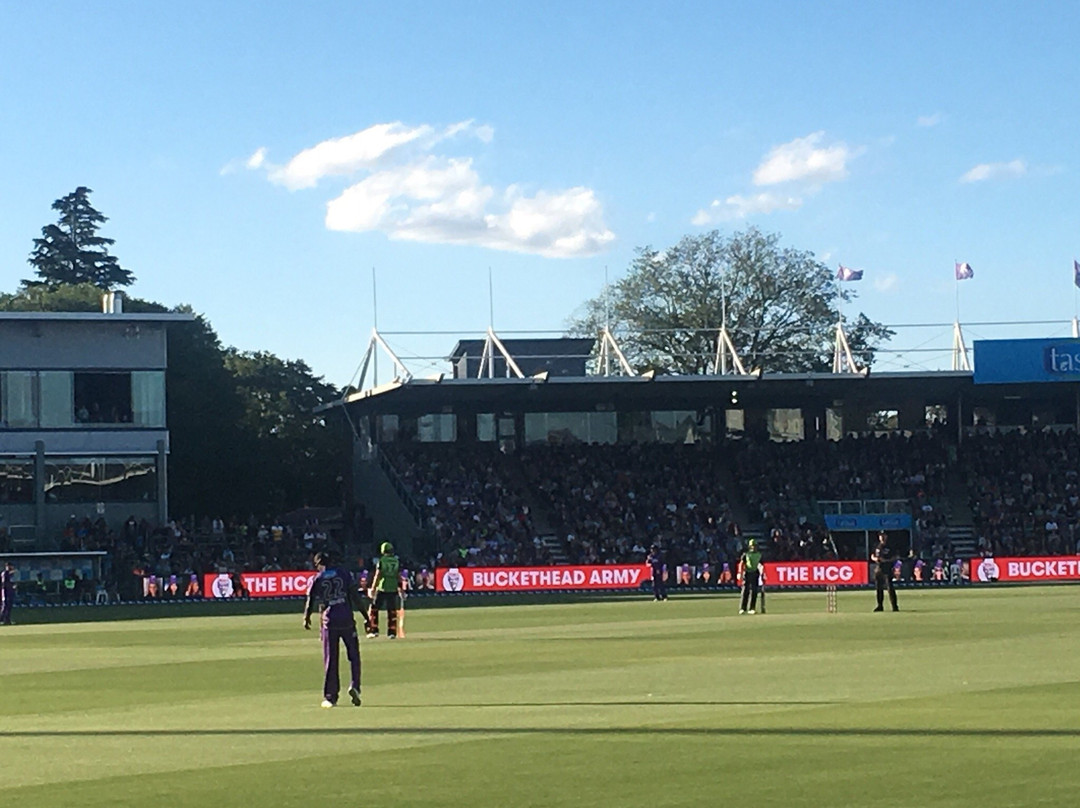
[(883, 559)]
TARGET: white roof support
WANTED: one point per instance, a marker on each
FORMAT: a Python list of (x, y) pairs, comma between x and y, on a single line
[(959, 349), (608, 348), (487, 359), (725, 353), (377, 341), (843, 361)]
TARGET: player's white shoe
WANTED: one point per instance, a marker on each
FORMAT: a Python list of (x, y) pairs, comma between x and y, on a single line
[(327, 704), (742, 611), (751, 611)]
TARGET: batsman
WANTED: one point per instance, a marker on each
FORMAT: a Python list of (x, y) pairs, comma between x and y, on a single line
[(385, 592), (750, 569)]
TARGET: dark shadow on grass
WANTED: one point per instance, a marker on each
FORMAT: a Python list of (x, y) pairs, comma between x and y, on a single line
[(632, 703), (583, 732)]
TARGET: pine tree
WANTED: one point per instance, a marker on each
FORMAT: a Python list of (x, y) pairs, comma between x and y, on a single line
[(72, 252)]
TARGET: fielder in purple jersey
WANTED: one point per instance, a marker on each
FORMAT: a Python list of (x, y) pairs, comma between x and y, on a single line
[(7, 592), (334, 592)]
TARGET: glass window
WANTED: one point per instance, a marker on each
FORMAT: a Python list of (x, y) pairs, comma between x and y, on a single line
[(102, 398), (485, 427), (571, 427), (101, 479), (148, 398), (16, 481), (388, 428), (785, 424), (57, 399), (17, 399), (436, 427), (678, 426)]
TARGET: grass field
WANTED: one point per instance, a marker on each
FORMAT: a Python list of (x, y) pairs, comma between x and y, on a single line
[(964, 698)]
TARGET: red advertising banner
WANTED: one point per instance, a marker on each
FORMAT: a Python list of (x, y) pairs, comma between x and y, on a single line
[(816, 573), (259, 584), (1030, 568), (539, 579)]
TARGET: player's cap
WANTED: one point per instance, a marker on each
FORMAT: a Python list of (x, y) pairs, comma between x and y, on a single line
[(322, 559), (386, 547), (752, 544)]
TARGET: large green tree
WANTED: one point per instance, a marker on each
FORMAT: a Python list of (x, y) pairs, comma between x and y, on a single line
[(780, 305), (72, 252), (301, 458)]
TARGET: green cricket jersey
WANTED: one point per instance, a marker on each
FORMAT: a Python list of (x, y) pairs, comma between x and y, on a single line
[(389, 571)]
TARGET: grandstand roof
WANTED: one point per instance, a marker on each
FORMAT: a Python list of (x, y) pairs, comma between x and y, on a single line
[(419, 396)]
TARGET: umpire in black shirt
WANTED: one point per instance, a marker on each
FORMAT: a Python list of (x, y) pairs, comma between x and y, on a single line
[(883, 558)]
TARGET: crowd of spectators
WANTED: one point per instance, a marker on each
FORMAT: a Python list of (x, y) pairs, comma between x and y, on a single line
[(1024, 489), (610, 503), (475, 500), (169, 561)]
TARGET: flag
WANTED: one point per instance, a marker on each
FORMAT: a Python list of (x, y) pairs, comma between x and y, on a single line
[(848, 274), (1076, 272), (964, 271)]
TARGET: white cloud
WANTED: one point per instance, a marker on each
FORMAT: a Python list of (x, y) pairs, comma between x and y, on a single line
[(411, 193), (443, 201), (739, 207), (927, 121), (257, 159), (996, 171), (804, 159), (346, 155)]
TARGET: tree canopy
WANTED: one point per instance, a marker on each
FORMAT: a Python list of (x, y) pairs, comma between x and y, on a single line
[(72, 252), (780, 306)]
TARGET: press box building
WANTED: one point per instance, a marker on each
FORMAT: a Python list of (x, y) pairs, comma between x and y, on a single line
[(82, 419)]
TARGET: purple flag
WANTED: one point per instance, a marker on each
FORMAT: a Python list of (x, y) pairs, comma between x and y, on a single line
[(848, 274), (1076, 272), (964, 271)]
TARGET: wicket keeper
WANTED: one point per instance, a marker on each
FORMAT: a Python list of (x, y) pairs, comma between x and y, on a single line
[(332, 590), (883, 559), (750, 564), (386, 592)]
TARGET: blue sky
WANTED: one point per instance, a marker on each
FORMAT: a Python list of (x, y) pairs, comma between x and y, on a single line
[(257, 160)]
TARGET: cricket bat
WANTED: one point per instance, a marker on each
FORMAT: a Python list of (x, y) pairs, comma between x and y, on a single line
[(401, 617)]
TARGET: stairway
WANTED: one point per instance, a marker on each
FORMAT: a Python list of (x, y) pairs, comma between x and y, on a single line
[(555, 548), (962, 540)]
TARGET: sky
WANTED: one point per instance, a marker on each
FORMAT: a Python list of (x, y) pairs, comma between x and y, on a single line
[(302, 172)]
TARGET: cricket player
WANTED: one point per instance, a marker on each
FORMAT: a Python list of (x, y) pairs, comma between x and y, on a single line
[(655, 560), (7, 592), (882, 558), (385, 592), (333, 591), (750, 564)]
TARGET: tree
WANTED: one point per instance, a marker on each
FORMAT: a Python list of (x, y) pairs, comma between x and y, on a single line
[(301, 458), (780, 306), (72, 252)]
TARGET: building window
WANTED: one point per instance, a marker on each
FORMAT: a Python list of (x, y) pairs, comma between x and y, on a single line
[(17, 399), (571, 427), (148, 398), (485, 427), (437, 427), (102, 398), (16, 481), (57, 409), (101, 479)]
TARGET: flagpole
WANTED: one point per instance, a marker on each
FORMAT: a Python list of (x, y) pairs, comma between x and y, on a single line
[(956, 282)]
